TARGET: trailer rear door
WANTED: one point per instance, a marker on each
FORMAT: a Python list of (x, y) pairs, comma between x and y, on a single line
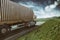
[(0, 3)]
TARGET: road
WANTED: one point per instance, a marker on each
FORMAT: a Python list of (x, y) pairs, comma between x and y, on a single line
[(23, 32), (19, 32)]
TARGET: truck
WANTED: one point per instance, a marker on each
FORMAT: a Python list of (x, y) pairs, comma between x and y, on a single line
[(12, 13)]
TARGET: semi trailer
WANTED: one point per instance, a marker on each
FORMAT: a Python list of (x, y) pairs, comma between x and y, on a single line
[(12, 13)]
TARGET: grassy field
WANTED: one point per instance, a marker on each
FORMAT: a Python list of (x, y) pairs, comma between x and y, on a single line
[(42, 19), (48, 31)]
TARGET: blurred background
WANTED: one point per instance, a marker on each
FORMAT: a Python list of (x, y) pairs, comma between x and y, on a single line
[(42, 8)]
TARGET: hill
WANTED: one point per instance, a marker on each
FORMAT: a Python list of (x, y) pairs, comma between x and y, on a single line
[(48, 31), (42, 19)]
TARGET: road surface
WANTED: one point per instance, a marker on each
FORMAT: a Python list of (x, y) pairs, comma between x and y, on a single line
[(19, 32)]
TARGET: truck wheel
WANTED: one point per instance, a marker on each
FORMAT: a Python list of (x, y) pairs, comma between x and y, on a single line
[(32, 23), (5, 30)]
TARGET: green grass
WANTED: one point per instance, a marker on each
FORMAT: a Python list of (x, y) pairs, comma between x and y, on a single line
[(48, 31)]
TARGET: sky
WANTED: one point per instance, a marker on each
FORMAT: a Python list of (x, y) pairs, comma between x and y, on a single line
[(42, 9)]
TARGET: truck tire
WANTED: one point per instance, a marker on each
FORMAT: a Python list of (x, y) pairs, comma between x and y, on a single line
[(32, 23), (5, 29)]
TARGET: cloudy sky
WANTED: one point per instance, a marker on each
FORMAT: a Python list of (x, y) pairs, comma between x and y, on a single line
[(41, 8)]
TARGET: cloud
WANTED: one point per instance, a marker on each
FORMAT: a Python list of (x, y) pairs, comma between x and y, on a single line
[(39, 11)]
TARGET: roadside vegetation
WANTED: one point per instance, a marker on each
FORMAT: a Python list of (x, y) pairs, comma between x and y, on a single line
[(48, 31), (42, 19)]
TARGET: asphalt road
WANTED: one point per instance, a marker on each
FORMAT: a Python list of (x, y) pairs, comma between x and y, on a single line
[(19, 32)]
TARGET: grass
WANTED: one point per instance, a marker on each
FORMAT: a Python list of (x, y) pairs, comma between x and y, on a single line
[(48, 31), (42, 19)]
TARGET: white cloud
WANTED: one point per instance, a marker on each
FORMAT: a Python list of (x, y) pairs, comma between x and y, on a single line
[(38, 10)]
